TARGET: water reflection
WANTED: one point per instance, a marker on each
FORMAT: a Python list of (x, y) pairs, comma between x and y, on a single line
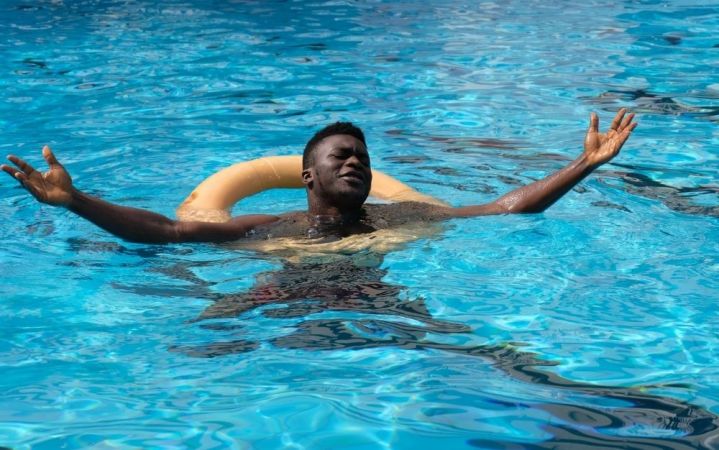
[(378, 316)]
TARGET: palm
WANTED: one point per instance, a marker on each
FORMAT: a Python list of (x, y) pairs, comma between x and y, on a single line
[(53, 187), (602, 147)]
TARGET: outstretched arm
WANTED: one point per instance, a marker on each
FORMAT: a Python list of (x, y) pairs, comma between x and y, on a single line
[(599, 148), (54, 187)]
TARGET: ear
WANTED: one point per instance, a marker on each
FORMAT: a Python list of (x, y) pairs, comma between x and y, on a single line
[(307, 177)]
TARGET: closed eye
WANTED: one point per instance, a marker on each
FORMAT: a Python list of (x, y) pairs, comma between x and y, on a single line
[(347, 152), (344, 153)]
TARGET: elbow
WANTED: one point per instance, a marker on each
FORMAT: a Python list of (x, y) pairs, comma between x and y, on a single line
[(165, 234), (531, 209), (181, 232), (522, 205)]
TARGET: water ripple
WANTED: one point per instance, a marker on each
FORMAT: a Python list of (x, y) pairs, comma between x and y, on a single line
[(607, 299)]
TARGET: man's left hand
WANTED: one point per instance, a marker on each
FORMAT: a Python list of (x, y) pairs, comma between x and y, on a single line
[(599, 148)]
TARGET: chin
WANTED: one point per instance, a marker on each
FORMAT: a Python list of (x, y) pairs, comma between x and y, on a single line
[(356, 201), (353, 199)]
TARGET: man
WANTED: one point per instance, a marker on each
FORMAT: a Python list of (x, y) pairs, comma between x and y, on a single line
[(337, 175)]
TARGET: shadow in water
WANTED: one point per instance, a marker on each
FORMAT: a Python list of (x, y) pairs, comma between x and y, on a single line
[(678, 199), (644, 101), (301, 290)]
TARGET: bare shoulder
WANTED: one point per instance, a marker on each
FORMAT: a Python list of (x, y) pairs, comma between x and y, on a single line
[(394, 214), (291, 224)]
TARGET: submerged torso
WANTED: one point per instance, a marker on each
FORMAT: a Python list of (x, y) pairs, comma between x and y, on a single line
[(379, 229)]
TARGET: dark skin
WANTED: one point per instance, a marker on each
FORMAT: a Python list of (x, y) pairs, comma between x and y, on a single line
[(338, 183)]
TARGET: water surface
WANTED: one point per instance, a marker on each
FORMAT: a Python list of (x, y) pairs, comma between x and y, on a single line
[(593, 323)]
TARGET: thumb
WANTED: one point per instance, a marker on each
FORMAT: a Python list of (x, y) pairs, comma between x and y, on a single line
[(49, 157), (593, 123)]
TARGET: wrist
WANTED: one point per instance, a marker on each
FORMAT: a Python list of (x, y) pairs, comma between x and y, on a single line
[(584, 163), (75, 197)]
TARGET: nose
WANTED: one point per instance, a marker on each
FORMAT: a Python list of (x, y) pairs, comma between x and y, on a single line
[(354, 161)]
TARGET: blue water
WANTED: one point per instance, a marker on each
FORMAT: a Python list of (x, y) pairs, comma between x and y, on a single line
[(594, 323)]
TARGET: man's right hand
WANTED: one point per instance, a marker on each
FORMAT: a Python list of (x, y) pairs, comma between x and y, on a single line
[(53, 187)]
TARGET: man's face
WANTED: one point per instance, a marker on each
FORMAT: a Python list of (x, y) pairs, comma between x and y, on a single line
[(341, 172)]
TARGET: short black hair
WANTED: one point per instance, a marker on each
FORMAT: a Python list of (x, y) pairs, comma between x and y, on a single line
[(330, 130)]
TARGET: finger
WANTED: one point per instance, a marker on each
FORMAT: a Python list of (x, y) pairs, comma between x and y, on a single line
[(8, 170), (627, 120), (27, 185), (593, 122), (618, 119), (624, 135), (25, 167), (21, 177), (49, 156), (631, 128)]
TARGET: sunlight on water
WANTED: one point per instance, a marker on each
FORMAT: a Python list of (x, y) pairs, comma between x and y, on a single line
[(591, 324)]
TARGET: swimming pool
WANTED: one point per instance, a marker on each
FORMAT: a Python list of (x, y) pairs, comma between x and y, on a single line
[(594, 323)]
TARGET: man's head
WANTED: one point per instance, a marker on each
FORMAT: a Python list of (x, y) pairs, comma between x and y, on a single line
[(336, 169), (347, 128)]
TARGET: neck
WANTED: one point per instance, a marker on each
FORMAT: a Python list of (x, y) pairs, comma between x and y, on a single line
[(321, 213)]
